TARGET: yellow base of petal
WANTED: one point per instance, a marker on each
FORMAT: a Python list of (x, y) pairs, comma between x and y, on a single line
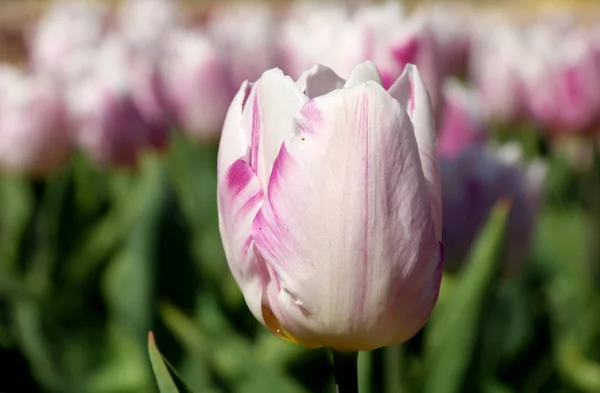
[(275, 327)]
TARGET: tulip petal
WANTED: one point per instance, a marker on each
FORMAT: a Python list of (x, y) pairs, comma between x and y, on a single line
[(234, 141), (272, 104), (411, 93), (319, 81), (239, 197), (347, 225), (363, 72)]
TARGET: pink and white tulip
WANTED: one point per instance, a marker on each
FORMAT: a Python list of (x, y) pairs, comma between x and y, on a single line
[(197, 84), (496, 69), (452, 28), (146, 23), (244, 35), (118, 111), (563, 79), (341, 36), (34, 138), (66, 38), (329, 206), (464, 121)]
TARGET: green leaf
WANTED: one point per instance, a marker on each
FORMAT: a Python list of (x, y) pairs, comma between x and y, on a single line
[(161, 373), (582, 372), (129, 280), (452, 334)]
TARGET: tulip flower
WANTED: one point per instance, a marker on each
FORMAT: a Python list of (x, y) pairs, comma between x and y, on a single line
[(116, 112), (197, 84), (464, 120), (452, 28), (473, 182), (34, 138), (244, 36), (562, 79), (320, 33), (497, 66), (67, 36), (330, 208), (146, 23), (341, 36)]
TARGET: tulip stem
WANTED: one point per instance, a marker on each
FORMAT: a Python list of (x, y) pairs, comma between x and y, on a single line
[(346, 371)]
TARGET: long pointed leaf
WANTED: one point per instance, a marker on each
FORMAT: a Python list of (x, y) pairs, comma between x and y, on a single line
[(453, 332), (161, 373)]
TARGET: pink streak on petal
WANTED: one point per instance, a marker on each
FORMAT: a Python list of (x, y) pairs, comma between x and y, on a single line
[(311, 118), (251, 203), (364, 128), (268, 215), (255, 134), (411, 102), (238, 176)]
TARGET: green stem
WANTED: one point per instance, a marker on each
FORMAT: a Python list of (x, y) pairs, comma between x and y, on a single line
[(346, 371), (392, 358)]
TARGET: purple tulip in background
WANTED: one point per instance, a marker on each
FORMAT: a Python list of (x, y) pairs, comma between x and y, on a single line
[(34, 138), (473, 181), (115, 110), (464, 121), (330, 206), (196, 84)]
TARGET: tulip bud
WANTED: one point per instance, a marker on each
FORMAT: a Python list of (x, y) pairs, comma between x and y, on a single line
[(330, 208), (197, 84), (473, 182), (464, 120), (66, 37), (34, 138), (115, 111)]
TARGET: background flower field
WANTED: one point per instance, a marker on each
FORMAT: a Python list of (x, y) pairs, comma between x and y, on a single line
[(110, 115)]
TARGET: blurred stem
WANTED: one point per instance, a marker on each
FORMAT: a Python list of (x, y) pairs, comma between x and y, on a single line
[(592, 195), (346, 371), (392, 360), (365, 375)]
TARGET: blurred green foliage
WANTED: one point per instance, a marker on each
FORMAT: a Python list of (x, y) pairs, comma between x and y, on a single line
[(91, 260)]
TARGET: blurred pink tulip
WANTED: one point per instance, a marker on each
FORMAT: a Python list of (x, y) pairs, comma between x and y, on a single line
[(330, 206), (563, 79), (313, 33), (116, 110), (452, 28), (497, 61), (197, 84), (146, 23), (244, 34), (65, 39), (464, 121), (34, 138), (473, 182), (341, 36)]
